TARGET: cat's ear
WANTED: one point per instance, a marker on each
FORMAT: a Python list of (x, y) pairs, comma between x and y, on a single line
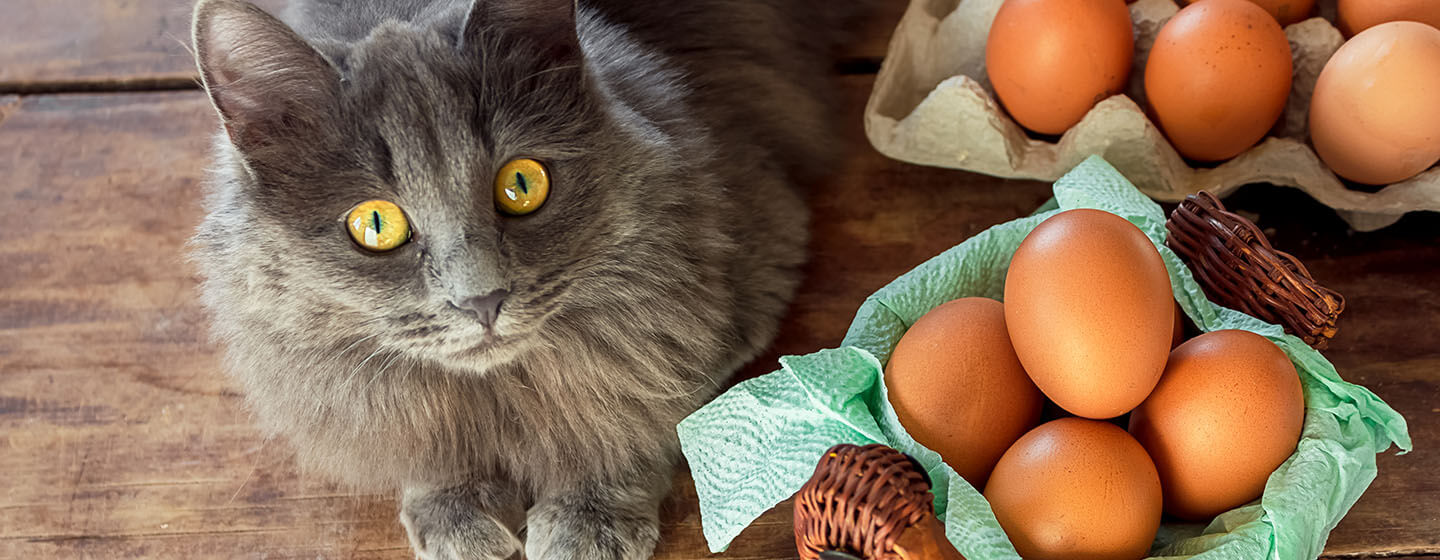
[(268, 84), (548, 24)]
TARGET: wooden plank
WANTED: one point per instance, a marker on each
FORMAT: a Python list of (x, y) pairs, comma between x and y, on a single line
[(95, 45), (8, 104), (66, 45), (122, 439), (874, 36)]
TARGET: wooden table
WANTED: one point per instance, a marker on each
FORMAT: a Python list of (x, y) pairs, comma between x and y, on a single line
[(120, 437)]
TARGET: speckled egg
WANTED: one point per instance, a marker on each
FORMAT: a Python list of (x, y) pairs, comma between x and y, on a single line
[(1218, 78), (1285, 12)]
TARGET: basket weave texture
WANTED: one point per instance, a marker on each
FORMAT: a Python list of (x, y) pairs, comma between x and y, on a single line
[(859, 501), (1236, 266)]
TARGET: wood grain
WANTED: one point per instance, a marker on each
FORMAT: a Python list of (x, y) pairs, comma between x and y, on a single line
[(83, 45), (874, 35), (106, 45), (121, 438)]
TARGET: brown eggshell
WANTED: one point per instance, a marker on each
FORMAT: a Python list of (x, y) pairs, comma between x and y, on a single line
[(1218, 78), (1375, 113), (1227, 412), (1077, 489), (1355, 16), (958, 388), (1090, 312), (1179, 335), (1285, 12), (1050, 61)]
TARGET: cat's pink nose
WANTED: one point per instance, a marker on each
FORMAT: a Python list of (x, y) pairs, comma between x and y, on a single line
[(486, 307)]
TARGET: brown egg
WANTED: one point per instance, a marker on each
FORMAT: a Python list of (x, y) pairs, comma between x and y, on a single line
[(1375, 114), (1227, 412), (958, 388), (1077, 489), (1285, 12), (1218, 78), (1179, 333), (1050, 61), (1090, 313), (1358, 15)]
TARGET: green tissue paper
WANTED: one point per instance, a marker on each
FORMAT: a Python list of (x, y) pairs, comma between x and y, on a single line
[(755, 445)]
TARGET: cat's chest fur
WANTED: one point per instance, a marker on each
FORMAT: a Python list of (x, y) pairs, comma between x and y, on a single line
[(426, 424)]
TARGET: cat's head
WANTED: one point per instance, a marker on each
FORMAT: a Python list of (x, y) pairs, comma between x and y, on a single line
[(455, 128)]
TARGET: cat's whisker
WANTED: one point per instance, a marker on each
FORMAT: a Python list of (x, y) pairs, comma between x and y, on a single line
[(335, 356), (521, 82), (352, 346), (259, 455), (708, 377), (397, 355), (557, 289), (351, 377)]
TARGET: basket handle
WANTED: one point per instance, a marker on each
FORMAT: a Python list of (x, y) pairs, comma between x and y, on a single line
[(869, 503)]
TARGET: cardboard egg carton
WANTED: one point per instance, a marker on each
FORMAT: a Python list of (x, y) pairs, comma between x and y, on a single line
[(933, 105)]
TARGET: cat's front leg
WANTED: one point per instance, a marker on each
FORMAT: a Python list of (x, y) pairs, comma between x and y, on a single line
[(602, 520), (478, 520)]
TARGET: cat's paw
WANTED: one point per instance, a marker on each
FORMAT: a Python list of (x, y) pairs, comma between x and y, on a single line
[(456, 524), (587, 526)]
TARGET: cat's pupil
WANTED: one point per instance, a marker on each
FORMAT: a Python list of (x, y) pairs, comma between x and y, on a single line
[(375, 219), (520, 182)]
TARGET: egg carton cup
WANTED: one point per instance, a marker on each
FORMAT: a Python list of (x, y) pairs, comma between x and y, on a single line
[(933, 105), (756, 445)]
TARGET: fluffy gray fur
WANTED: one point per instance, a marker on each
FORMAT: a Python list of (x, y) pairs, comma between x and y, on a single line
[(675, 135)]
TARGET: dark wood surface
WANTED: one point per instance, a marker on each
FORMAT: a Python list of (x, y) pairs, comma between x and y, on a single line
[(106, 45), (97, 45), (119, 437)]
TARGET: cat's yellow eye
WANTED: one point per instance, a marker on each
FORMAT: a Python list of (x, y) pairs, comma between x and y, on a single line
[(521, 186), (378, 225)]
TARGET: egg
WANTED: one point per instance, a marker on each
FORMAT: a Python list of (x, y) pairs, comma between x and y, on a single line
[(1050, 61), (958, 388), (1077, 489), (1354, 16), (1179, 333), (1375, 113), (1090, 312), (1285, 12), (1227, 412), (1218, 78)]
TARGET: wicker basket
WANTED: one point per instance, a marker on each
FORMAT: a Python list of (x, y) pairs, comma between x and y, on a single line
[(869, 502), (874, 502), (1235, 264)]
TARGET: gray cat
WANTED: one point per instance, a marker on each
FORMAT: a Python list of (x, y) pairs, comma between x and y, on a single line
[(487, 253)]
